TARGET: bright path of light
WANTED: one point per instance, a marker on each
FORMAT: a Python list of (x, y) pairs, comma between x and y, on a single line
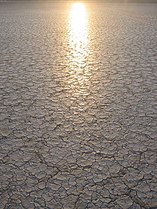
[(79, 49), (78, 27)]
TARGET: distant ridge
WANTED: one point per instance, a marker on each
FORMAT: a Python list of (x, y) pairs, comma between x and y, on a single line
[(107, 1)]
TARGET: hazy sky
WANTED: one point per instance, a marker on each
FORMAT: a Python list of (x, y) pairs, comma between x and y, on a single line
[(147, 1)]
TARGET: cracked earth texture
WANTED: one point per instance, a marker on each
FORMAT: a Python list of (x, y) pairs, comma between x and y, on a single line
[(78, 108)]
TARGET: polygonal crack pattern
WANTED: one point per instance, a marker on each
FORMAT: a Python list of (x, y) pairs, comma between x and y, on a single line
[(78, 134)]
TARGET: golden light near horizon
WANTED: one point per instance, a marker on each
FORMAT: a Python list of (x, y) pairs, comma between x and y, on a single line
[(78, 42), (78, 26)]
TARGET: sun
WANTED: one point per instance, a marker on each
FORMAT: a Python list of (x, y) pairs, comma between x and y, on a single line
[(78, 8), (78, 23), (78, 13), (78, 40)]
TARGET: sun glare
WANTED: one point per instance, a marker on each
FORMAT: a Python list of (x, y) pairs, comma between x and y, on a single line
[(78, 6), (78, 42), (78, 24)]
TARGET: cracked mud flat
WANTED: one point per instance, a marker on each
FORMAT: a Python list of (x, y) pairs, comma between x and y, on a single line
[(78, 112)]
